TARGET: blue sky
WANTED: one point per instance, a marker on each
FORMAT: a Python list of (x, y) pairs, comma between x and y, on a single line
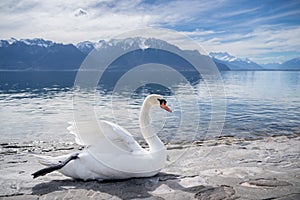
[(264, 31)]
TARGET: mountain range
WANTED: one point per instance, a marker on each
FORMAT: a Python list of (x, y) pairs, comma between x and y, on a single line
[(40, 54), (293, 64), (235, 63)]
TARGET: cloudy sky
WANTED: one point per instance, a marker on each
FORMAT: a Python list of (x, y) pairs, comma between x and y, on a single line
[(264, 31)]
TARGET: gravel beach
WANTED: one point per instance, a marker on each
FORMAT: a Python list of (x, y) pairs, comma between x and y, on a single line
[(223, 168)]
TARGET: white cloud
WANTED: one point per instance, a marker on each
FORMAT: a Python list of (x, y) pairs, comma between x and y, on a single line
[(262, 41), (60, 21), (76, 21)]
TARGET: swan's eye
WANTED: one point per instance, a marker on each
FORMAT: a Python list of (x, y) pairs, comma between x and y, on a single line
[(162, 101)]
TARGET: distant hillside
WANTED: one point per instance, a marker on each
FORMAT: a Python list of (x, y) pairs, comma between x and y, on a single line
[(39, 54), (271, 66), (293, 64), (221, 66), (233, 62)]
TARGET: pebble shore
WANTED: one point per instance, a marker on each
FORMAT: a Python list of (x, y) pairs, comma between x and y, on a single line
[(223, 168)]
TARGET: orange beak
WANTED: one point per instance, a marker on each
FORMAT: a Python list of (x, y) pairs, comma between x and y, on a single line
[(165, 107)]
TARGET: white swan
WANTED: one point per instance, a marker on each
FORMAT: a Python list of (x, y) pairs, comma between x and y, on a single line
[(115, 156)]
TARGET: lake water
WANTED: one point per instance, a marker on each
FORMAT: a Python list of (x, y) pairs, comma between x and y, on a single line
[(39, 105)]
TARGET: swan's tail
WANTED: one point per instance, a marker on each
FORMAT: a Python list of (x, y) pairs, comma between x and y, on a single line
[(53, 164), (47, 160)]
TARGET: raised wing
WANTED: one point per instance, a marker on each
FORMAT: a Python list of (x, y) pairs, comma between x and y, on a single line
[(73, 130), (113, 133), (120, 137)]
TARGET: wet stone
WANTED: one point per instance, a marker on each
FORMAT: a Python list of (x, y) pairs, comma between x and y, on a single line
[(216, 193), (8, 151), (46, 150), (17, 146), (289, 197), (265, 183), (21, 197), (165, 177), (64, 148)]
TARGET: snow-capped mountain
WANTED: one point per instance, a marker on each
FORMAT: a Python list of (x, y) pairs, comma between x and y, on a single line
[(224, 56), (37, 42), (43, 54), (86, 47), (31, 42), (38, 54), (148, 45), (125, 44), (233, 62), (4, 43)]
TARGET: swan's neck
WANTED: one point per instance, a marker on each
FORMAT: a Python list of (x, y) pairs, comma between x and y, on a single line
[(155, 144)]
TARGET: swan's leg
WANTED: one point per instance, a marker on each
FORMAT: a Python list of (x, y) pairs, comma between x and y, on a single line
[(52, 168)]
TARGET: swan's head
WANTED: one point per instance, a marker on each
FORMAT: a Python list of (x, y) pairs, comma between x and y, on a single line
[(158, 100)]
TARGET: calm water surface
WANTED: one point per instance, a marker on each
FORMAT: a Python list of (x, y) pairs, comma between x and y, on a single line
[(39, 105)]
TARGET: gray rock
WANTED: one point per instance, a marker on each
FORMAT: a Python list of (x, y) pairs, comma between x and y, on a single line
[(295, 196), (216, 193), (262, 182)]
